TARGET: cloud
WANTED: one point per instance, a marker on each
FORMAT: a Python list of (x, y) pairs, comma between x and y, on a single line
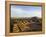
[(22, 12)]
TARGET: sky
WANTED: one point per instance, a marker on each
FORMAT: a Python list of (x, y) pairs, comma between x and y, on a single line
[(25, 11)]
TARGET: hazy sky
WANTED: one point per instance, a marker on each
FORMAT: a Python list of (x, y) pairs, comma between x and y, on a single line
[(25, 11)]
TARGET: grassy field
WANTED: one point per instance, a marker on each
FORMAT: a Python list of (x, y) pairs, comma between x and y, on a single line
[(25, 24)]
